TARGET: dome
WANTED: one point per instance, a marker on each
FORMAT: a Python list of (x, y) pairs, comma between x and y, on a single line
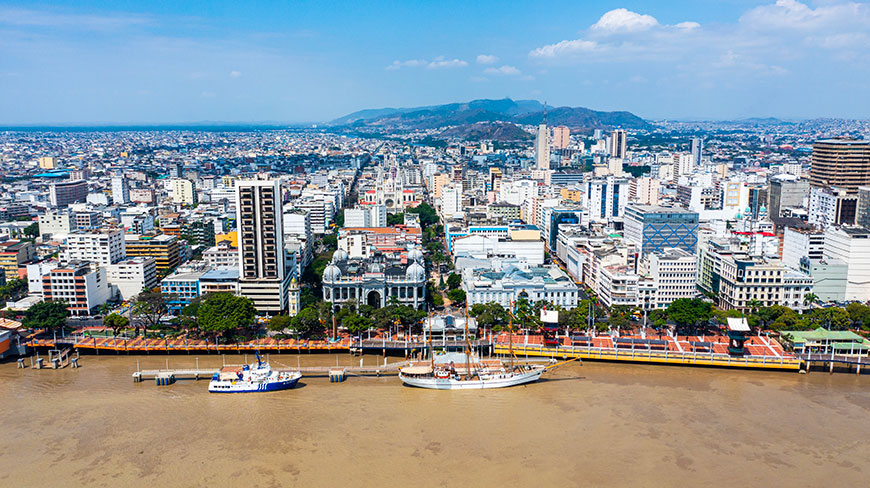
[(339, 256), (415, 272), (415, 255), (376, 268), (331, 273)]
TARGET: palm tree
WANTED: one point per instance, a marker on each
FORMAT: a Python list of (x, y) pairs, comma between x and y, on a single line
[(810, 299)]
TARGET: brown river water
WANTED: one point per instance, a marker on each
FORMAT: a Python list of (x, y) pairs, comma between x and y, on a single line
[(591, 425)]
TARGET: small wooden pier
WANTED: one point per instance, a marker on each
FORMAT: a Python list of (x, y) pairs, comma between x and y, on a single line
[(309, 371)]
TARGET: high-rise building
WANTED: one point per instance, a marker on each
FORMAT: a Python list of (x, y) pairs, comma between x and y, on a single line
[(183, 191), (65, 193), (48, 162), (841, 163), (83, 286), (785, 191), (262, 276), (606, 198), (104, 248), (163, 248), (654, 229), (561, 137), (618, 143), (542, 148), (120, 190), (697, 149)]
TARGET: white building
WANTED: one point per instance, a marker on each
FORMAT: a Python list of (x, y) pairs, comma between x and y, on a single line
[(800, 243), (183, 191), (505, 281), (366, 216), (488, 247), (35, 272), (104, 247), (120, 190), (674, 273), (606, 198), (83, 286), (542, 148), (852, 246), (57, 224), (451, 200), (222, 256), (132, 276)]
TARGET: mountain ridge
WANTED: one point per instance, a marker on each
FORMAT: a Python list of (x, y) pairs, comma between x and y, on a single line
[(521, 112)]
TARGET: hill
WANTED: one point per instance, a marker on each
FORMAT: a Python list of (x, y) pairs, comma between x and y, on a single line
[(477, 111)]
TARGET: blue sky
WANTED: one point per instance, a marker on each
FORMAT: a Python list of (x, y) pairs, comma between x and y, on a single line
[(297, 61)]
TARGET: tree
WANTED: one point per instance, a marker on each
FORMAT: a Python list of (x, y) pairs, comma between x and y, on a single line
[(357, 324), (524, 311), (220, 313), (489, 315), (859, 314), (32, 230), (453, 281), (428, 215), (306, 322), (811, 299), (280, 323), (150, 308), (577, 318), (831, 318), (330, 241), (687, 313), (51, 315), (456, 296), (395, 219), (116, 322)]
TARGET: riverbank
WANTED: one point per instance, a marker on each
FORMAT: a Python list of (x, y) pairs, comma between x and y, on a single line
[(591, 425)]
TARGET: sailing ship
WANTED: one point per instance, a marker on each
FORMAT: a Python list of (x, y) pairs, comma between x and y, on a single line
[(256, 377), (449, 371)]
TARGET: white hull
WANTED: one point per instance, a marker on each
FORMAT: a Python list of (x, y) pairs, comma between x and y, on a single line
[(495, 380)]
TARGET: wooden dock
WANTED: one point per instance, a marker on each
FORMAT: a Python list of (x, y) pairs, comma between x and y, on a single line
[(309, 371)]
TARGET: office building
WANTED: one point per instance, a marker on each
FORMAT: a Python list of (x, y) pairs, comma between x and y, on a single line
[(697, 150), (55, 223), (561, 137), (786, 191), (606, 198), (618, 144), (133, 276), (14, 254), (802, 243), (851, 246), (259, 221), (83, 286), (47, 162), (104, 248), (654, 229), (163, 248), (842, 163), (183, 191), (120, 190), (64, 193)]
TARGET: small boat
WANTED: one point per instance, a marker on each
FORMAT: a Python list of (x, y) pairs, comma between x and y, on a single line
[(256, 377)]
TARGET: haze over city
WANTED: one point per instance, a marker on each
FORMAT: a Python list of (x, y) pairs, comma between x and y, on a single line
[(89, 62)]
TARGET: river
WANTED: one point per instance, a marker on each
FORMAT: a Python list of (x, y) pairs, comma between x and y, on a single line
[(591, 425)]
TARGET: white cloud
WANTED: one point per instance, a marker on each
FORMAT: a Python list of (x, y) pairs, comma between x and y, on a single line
[(487, 59), (563, 48), (45, 18), (624, 20), (794, 15), (411, 63), (440, 62), (235, 74), (687, 26), (505, 70)]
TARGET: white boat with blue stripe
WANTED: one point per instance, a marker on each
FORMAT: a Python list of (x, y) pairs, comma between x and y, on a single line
[(256, 377)]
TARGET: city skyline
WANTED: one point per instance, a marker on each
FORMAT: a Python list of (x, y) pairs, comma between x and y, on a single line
[(125, 63)]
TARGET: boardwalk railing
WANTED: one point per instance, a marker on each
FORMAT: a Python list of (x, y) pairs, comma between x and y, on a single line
[(653, 356)]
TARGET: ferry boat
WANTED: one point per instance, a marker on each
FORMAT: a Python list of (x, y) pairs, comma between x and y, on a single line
[(256, 377)]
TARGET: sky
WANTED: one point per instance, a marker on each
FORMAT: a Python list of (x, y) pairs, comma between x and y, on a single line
[(124, 62)]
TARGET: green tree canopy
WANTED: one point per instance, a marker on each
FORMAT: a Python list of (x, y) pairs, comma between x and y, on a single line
[(395, 219), (116, 322), (687, 313), (453, 281), (220, 313), (428, 215), (150, 308), (457, 296), (51, 315), (357, 324), (489, 315), (832, 318), (280, 323), (307, 322)]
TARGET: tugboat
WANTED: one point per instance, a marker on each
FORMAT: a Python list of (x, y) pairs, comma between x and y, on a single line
[(256, 377)]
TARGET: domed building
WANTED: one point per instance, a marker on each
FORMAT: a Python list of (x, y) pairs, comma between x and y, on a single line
[(376, 279)]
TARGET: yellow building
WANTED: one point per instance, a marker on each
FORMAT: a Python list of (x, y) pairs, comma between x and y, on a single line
[(183, 191), (163, 248), (232, 237), (572, 195), (48, 162), (13, 254), (439, 181)]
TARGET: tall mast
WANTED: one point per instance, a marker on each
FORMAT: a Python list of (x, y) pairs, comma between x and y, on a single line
[(429, 338), (467, 345), (511, 335)]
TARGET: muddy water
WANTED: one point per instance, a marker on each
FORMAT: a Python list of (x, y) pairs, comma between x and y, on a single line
[(595, 425)]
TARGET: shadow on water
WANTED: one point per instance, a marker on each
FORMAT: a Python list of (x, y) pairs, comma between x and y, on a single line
[(299, 385)]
